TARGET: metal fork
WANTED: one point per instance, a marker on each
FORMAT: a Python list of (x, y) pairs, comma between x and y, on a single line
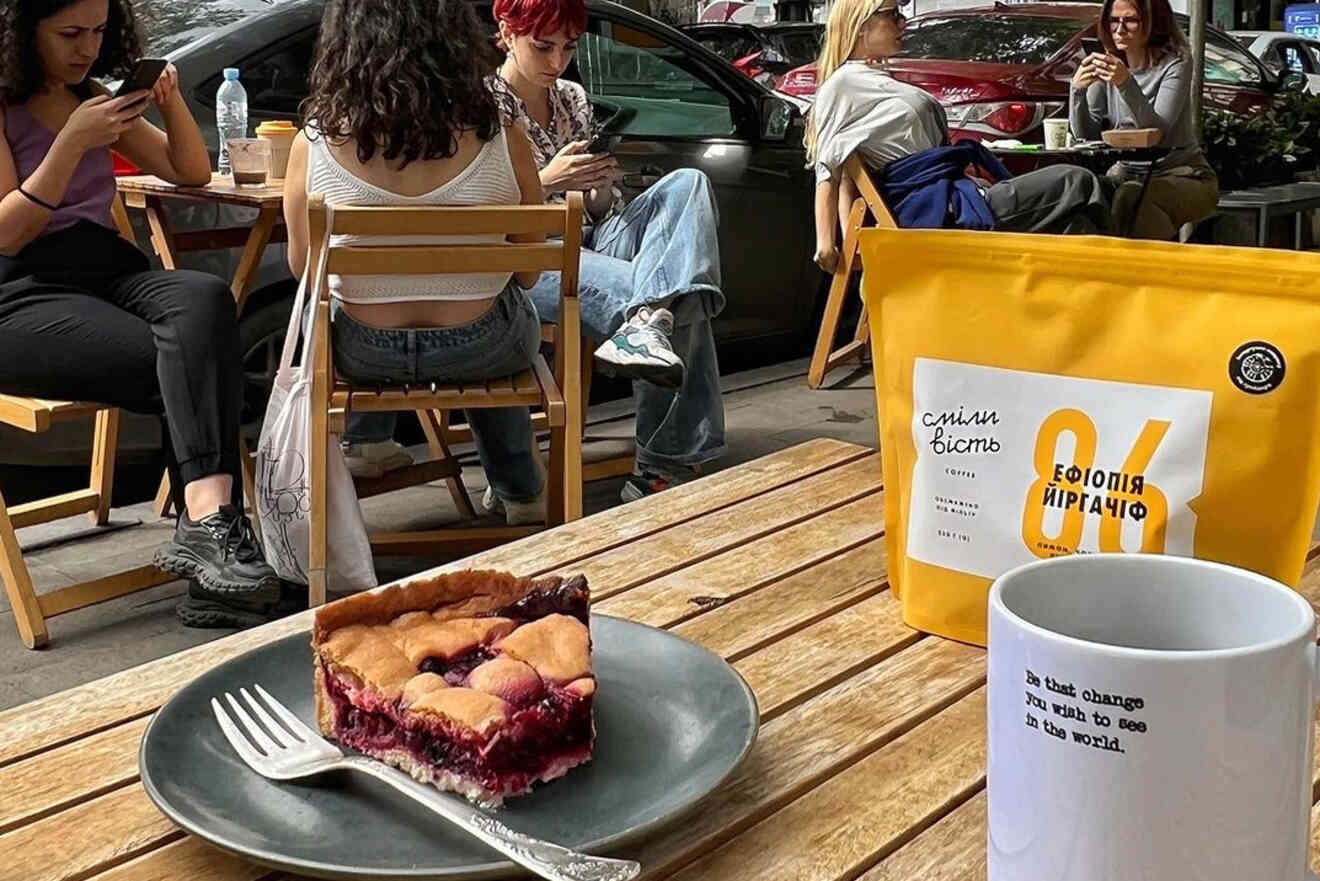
[(291, 750)]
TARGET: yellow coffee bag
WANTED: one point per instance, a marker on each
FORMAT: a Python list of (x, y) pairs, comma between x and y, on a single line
[(1048, 395)]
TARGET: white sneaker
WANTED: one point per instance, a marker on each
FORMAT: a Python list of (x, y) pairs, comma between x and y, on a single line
[(371, 460), (640, 349), (519, 513)]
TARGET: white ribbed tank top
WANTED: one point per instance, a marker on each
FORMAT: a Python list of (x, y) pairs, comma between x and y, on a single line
[(488, 179)]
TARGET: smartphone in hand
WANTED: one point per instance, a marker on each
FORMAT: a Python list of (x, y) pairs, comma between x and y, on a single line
[(603, 143), (1093, 46), (144, 76)]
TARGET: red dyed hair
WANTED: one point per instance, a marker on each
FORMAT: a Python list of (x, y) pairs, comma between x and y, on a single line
[(539, 17)]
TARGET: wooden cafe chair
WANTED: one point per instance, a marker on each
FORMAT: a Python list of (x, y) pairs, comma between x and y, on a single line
[(37, 415), (556, 392), (869, 201)]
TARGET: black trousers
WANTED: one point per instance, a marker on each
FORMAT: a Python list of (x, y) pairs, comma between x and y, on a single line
[(82, 318), (1064, 199)]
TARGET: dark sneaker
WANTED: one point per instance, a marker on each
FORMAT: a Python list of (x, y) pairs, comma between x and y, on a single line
[(208, 609), (220, 551), (640, 349), (644, 482)]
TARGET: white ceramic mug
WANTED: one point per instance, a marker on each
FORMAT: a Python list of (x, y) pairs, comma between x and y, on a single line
[(1056, 134), (1149, 720)]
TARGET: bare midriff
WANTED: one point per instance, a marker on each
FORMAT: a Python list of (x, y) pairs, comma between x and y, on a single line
[(416, 314)]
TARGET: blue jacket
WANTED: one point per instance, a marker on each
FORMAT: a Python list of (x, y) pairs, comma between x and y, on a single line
[(930, 189)]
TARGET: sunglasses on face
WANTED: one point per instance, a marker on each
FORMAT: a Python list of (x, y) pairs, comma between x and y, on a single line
[(892, 13), (1126, 23)]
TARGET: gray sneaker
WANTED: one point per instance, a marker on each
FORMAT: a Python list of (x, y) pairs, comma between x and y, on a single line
[(640, 349)]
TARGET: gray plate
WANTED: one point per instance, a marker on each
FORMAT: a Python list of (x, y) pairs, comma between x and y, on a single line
[(673, 720)]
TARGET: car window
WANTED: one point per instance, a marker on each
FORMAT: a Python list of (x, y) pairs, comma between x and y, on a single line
[(800, 45), (646, 77), (1272, 60), (168, 24), (276, 81), (1292, 57), (729, 45), (1007, 39), (1228, 63), (1314, 50)]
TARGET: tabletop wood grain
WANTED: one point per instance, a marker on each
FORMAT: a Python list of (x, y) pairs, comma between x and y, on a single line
[(871, 757)]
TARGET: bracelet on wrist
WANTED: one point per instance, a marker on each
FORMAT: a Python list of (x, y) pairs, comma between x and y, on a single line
[(33, 199)]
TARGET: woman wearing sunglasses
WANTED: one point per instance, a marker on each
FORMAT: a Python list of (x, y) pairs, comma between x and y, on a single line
[(1143, 80), (901, 134)]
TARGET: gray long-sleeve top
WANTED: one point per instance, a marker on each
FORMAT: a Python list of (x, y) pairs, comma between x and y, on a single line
[(1158, 96)]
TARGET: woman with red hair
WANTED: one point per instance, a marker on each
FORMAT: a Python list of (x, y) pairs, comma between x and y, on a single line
[(649, 272)]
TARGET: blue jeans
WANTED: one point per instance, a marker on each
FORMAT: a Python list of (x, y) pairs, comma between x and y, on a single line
[(662, 248), (501, 342)]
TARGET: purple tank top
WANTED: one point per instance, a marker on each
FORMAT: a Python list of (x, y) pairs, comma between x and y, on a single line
[(92, 187)]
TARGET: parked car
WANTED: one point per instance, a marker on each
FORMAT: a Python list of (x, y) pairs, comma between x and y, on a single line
[(1283, 53), (1001, 70), (763, 52)]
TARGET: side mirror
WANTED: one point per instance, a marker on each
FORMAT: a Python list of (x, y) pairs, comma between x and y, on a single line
[(776, 118), (1292, 81)]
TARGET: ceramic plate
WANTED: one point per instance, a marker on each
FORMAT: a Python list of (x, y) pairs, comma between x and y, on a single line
[(673, 720)]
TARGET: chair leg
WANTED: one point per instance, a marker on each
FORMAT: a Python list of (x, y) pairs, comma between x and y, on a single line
[(105, 439), (18, 585), (319, 452), (829, 322), (434, 429)]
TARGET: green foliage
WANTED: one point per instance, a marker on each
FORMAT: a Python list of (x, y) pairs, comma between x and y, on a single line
[(1265, 149)]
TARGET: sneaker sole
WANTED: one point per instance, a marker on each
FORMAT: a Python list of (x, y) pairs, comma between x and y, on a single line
[(665, 377), (193, 612), (177, 562)]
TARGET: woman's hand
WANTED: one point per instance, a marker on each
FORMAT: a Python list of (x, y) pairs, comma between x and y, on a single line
[(167, 86), (98, 122), (1112, 70), (1088, 71), (827, 257), (574, 169)]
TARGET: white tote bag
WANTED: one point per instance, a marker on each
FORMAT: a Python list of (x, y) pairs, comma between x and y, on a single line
[(283, 487)]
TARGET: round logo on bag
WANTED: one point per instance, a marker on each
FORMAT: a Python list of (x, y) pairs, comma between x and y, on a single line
[(1256, 367)]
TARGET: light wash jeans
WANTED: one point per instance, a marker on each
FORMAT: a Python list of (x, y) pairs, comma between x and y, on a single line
[(662, 248), (501, 342)]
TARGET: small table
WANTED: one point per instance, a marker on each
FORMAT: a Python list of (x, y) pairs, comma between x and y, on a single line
[(147, 192), (1267, 202), (870, 761)]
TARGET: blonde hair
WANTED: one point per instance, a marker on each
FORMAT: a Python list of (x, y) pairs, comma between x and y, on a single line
[(841, 33)]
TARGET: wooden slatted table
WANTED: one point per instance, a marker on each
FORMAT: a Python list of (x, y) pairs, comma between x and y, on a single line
[(871, 758)]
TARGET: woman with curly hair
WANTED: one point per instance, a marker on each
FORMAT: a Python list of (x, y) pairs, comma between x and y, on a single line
[(81, 316), (398, 114), (650, 273)]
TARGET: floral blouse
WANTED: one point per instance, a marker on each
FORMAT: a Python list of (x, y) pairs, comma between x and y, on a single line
[(571, 119)]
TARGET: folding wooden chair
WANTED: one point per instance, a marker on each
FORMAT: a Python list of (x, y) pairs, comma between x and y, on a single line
[(823, 360), (557, 393)]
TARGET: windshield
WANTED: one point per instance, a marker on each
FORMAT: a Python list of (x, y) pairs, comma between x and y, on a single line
[(168, 24), (800, 46), (1005, 39)]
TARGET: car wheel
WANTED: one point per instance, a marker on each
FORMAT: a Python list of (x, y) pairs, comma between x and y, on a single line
[(261, 340)]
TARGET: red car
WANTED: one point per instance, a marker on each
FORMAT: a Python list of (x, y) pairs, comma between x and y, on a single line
[(1000, 70)]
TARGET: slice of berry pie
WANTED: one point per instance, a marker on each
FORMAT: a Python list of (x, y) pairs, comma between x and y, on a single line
[(477, 681)]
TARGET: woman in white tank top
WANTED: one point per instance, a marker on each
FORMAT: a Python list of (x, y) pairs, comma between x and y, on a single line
[(398, 114)]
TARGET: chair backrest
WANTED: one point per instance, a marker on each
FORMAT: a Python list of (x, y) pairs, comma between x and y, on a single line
[(870, 194), (562, 222)]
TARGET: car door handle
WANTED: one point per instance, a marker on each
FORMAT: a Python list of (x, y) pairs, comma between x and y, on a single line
[(646, 176)]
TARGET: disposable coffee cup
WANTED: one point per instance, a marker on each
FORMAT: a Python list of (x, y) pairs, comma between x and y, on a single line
[(1056, 134), (1150, 717), (279, 133), (250, 160)]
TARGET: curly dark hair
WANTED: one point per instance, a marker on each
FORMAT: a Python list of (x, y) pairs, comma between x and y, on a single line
[(21, 74), (406, 77)]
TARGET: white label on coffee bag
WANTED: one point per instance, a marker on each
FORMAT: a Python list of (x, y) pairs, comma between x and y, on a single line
[(1015, 466)]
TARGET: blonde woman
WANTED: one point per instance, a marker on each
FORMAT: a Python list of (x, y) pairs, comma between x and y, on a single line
[(1143, 80), (901, 135)]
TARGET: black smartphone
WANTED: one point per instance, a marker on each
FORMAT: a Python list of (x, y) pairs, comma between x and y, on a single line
[(1093, 46), (144, 76), (604, 142)]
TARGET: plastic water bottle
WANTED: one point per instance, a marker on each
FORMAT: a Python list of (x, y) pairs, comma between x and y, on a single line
[(231, 114)]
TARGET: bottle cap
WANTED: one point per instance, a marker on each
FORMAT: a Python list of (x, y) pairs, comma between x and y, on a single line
[(231, 73)]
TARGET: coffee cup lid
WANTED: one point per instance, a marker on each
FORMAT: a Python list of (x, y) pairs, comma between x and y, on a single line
[(276, 127)]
